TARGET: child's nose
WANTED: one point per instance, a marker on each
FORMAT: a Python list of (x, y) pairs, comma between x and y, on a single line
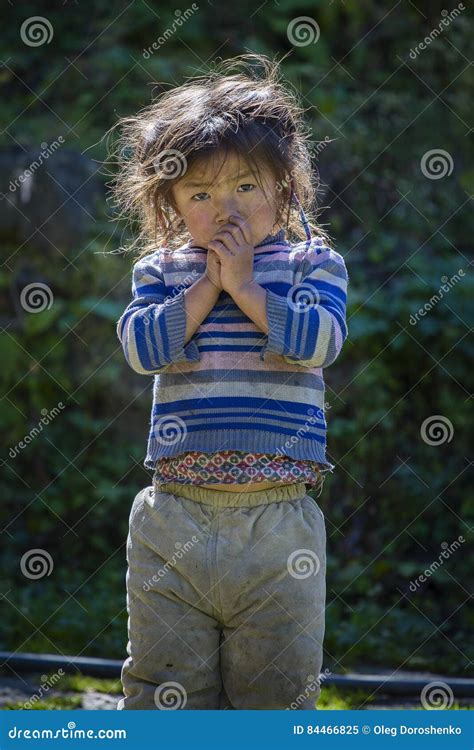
[(228, 218), (226, 209)]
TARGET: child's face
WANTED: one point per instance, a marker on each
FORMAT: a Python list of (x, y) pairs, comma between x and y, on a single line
[(207, 204)]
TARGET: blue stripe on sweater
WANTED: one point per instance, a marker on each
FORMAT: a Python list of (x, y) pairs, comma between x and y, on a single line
[(246, 426), (164, 338), (154, 343), (229, 334), (174, 407), (209, 415), (142, 349)]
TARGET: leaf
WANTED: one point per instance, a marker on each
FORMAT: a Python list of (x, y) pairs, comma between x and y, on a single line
[(37, 322)]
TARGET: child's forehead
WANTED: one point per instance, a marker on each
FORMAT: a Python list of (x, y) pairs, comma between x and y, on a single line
[(214, 169), (211, 164)]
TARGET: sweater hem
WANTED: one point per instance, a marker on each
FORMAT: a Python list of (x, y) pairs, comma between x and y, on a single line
[(302, 449)]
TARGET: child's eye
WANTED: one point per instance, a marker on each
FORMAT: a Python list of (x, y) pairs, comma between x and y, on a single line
[(244, 185)]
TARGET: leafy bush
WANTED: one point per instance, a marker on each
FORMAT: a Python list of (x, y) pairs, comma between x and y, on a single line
[(393, 499)]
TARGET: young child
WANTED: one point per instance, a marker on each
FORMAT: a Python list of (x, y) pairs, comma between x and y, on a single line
[(226, 550)]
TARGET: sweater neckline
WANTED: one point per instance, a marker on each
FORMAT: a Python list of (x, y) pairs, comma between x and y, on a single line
[(273, 239)]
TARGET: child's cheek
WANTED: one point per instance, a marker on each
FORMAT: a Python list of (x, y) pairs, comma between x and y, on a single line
[(202, 226)]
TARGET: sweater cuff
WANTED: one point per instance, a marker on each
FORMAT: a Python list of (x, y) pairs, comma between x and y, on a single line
[(277, 312), (175, 325)]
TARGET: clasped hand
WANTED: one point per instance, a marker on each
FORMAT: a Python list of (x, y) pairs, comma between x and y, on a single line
[(234, 254)]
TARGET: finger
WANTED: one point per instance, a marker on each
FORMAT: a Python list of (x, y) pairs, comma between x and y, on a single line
[(244, 228), (219, 247), (228, 231), (228, 239), (211, 253), (234, 228)]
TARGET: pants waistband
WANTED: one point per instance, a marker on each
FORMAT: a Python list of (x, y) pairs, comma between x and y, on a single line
[(223, 499)]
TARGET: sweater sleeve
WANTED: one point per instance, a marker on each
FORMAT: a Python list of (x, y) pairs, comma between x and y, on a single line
[(308, 326), (153, 326)]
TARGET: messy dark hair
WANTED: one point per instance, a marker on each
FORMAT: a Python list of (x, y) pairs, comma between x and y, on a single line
[(249, 113)]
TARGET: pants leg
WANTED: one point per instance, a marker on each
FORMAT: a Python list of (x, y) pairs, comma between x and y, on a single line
[(272, 563), (174, 637), (226, 601)]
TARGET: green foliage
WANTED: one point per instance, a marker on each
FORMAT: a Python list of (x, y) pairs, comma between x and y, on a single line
[(81, 683), (57, 703), (393, 499)]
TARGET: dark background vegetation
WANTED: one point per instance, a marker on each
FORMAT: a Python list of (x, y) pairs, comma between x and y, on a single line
[(393, 499)]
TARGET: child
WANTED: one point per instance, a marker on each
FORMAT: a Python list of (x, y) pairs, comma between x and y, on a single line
[(226, 551)]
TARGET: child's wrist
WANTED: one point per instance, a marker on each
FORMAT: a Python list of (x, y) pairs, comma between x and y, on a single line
[(214, 286)]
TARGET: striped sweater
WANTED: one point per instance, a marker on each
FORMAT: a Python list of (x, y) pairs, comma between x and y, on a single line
[(231, 386)]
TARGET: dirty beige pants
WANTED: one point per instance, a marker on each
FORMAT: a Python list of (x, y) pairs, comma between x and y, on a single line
[(226, 599)]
